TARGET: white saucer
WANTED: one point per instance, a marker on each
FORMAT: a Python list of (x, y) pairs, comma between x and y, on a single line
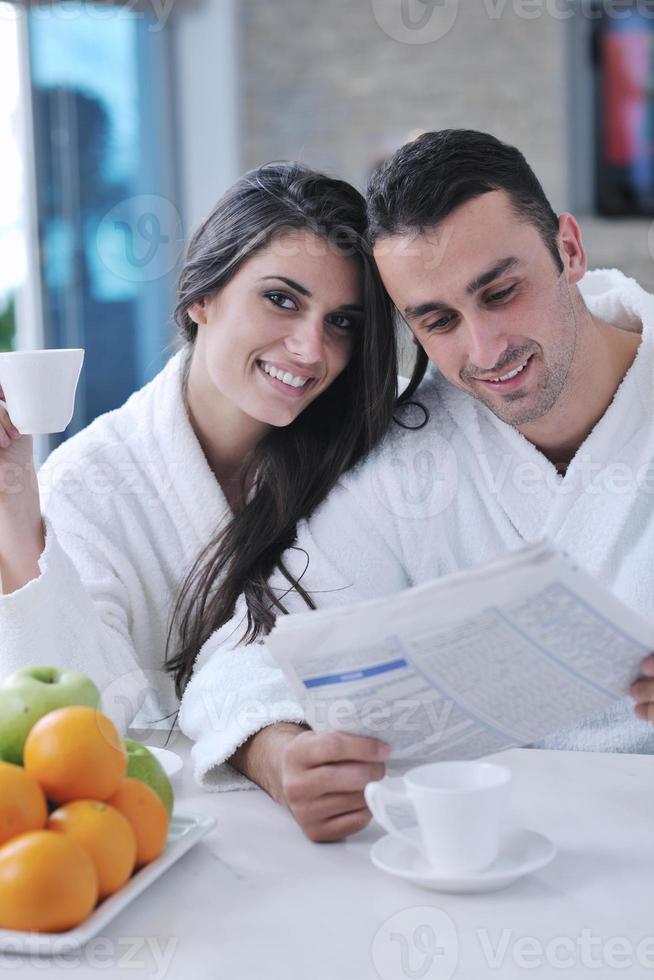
[(170, 761), (521, 852)]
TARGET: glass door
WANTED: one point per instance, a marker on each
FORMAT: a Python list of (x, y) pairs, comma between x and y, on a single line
[(109, 229)]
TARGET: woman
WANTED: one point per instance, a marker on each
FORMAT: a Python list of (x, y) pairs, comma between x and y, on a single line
[(152, 521)]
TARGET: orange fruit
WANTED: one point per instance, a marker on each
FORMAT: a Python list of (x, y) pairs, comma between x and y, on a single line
[(106, 836), (47, 883), (75, 753), (23, 805), (147, 815)]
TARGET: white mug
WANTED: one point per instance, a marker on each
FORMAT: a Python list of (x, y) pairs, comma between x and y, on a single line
[(458, 807), (39, 388)]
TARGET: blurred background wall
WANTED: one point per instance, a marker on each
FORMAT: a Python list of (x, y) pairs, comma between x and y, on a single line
[(120, 125)]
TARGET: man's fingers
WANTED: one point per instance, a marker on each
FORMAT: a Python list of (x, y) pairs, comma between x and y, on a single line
[(337, 804), (341, 826), (647, 666), (645, 711), (642, 690), (315, 749), (341, 777)]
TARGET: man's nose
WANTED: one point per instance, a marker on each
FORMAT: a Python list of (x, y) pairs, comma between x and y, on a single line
[(307, 341), (487, 342)]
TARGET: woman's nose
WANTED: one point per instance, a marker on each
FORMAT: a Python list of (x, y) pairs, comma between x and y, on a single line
[(307, 341)]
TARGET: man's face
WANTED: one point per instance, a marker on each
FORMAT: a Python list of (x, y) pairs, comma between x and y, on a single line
[(482, 294)]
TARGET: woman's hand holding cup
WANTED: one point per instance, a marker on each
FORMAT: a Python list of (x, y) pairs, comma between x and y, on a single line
[(21, 525), (17, 474), (38, 388)]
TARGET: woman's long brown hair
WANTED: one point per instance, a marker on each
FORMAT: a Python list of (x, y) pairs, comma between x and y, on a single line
[(293, 468)]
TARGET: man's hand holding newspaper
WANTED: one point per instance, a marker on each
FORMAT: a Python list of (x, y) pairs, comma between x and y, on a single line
[(502, 655)]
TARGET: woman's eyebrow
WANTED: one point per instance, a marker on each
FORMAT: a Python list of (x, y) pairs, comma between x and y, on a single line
[(289, 282), (350, 307)]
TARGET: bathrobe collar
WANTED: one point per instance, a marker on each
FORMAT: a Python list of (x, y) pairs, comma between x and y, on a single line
[(535, 497)]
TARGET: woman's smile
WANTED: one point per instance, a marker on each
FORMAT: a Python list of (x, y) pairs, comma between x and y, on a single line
[(288, 374)]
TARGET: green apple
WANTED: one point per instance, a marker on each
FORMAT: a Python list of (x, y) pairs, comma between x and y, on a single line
[(30, 693), (143, 765)]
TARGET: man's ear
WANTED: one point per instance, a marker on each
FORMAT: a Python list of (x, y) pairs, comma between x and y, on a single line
[(571, 248), (198, 311)]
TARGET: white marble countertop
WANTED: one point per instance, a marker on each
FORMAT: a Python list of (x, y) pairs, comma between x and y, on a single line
[(256, 900)]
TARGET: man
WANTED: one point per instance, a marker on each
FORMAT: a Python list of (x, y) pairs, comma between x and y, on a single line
[(540, 412)]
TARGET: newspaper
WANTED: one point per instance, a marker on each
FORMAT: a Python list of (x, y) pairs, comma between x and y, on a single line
[(470, 664)]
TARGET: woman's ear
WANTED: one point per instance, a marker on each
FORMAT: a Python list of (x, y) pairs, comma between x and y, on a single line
[(198, 311)]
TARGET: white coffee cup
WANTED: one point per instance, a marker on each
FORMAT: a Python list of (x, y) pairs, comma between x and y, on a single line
[(39, 388), (458, 808)]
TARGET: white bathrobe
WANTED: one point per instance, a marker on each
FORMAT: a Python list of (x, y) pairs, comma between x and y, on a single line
[(128, 504), (463, 489)]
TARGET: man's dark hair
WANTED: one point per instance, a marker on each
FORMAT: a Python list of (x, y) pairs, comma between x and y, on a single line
[(424, 181)]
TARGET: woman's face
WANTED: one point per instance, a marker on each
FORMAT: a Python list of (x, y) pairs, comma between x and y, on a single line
[(281, 330)]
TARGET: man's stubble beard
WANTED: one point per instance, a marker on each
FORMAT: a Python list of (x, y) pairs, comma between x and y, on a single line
[(552, 381)]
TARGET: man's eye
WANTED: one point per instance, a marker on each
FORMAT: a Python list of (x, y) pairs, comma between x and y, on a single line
[(441, 324), (503, 294), (282, 300)]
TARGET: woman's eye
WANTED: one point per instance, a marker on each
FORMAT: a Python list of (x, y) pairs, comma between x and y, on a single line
[(503, 294), (281, 300), (341, 321)]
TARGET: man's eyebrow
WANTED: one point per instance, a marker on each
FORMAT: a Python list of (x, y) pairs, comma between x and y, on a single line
[(438, 306), (289, 282), (415, 312), (487, 277)]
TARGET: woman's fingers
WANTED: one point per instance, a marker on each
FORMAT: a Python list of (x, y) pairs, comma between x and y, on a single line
[(8, 431)]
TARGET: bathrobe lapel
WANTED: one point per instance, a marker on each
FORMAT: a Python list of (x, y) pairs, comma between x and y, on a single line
[(587, 508)]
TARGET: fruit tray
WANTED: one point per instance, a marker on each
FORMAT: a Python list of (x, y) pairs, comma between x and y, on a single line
[(184, 832)]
